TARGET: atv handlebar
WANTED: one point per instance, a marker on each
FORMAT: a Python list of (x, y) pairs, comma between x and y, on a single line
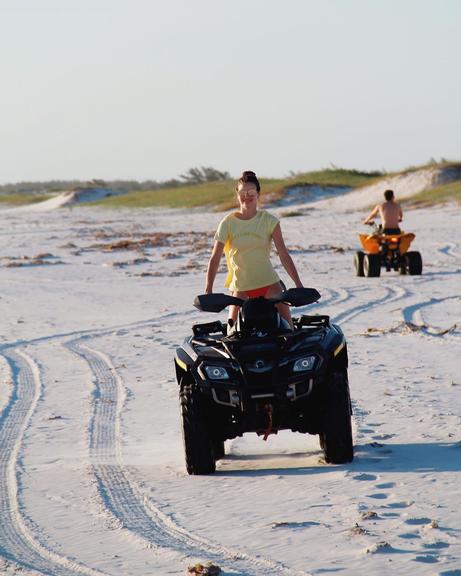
[(293, 297), (375, 228)]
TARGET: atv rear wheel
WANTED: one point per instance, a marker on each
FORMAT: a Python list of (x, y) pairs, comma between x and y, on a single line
[(218, 449), (198, 445), (358, 263), (336, 438), (414, 263), (372, 265)]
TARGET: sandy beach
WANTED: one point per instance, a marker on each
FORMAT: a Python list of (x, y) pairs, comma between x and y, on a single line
[(92, 475)]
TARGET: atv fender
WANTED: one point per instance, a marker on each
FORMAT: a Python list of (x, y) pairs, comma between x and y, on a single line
[(405, 241), (370, 243), (340, 357), (182, 363), (337, 347)]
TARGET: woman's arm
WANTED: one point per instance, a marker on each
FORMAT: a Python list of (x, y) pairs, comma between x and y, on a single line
[(213, 266), (285, 257)]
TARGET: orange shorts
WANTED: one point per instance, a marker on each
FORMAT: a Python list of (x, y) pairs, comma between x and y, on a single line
[(257, 292)]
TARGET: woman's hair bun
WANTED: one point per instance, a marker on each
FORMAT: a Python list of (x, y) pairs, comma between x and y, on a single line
[(249, 176)]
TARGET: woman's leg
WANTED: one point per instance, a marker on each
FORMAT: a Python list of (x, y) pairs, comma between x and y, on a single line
[(234, 310), (284, 310)]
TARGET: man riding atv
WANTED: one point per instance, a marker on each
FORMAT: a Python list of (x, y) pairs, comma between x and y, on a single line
[(390, 213), (387, 246)]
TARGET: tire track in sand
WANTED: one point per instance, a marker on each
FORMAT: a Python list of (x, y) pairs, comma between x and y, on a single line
[(121, 495), (412, 315), (18, 545), (451, 249), (391, 294)]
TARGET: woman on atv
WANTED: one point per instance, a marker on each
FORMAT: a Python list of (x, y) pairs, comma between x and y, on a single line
[(246, 236)]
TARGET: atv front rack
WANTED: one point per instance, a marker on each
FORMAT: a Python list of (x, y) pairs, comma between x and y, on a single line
[(217, 327), (314, 321), (208, 328)]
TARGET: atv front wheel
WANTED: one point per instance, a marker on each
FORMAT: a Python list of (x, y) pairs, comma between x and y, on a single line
[(372, 265), (198, 446), (358, 263), (414, 263), (336, 438)]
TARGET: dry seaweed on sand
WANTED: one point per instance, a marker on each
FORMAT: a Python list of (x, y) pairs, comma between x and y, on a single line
[(207, 569)]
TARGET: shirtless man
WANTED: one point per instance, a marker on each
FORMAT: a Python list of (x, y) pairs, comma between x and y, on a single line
[(390, 213)]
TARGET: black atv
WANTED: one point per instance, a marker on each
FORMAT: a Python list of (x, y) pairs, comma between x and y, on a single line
[(261, 376)]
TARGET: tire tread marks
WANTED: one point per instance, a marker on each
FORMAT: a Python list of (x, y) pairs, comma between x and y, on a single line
[(18, 544), (122, 496)]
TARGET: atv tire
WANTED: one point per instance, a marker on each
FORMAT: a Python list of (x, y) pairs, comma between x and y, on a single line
[(198, 445), (218, 449), (372, 265), (336, 437), (358, 263), (414, 263)]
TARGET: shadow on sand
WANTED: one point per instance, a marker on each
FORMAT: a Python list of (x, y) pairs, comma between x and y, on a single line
[(421, 458)]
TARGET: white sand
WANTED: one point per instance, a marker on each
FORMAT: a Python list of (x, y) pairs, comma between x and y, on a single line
[(92, 476)]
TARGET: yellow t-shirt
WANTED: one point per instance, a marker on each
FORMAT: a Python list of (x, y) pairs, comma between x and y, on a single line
[(247, 245)]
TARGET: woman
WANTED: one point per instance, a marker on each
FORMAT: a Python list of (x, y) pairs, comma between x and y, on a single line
[(246, 236)]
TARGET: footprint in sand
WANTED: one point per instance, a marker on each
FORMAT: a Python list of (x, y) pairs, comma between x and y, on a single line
[(378, 496), (385, 485), (409, 535), (399, 504), (436, 545), (427, 558), (383, 436), (418, 521), (294, 525), (365, 477), (379, 547)]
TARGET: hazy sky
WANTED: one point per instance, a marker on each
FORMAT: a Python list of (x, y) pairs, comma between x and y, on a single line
[(146, 89)]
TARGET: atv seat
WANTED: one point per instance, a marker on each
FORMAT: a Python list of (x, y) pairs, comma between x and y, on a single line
[(260, 314)]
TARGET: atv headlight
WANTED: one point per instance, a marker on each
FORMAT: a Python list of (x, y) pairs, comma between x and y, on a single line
[(216, 372), (304, 364)]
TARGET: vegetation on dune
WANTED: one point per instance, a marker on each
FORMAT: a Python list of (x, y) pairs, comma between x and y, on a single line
[(206, 186), (336, 177), (443, 163), (191, 176), (450, 192), (221, 193), (188, 196), (20, 199)]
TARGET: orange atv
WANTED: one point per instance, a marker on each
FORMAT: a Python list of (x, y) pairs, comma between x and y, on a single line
[(389, 251)]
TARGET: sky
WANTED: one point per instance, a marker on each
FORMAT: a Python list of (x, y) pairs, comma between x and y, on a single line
[(146, 89)]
